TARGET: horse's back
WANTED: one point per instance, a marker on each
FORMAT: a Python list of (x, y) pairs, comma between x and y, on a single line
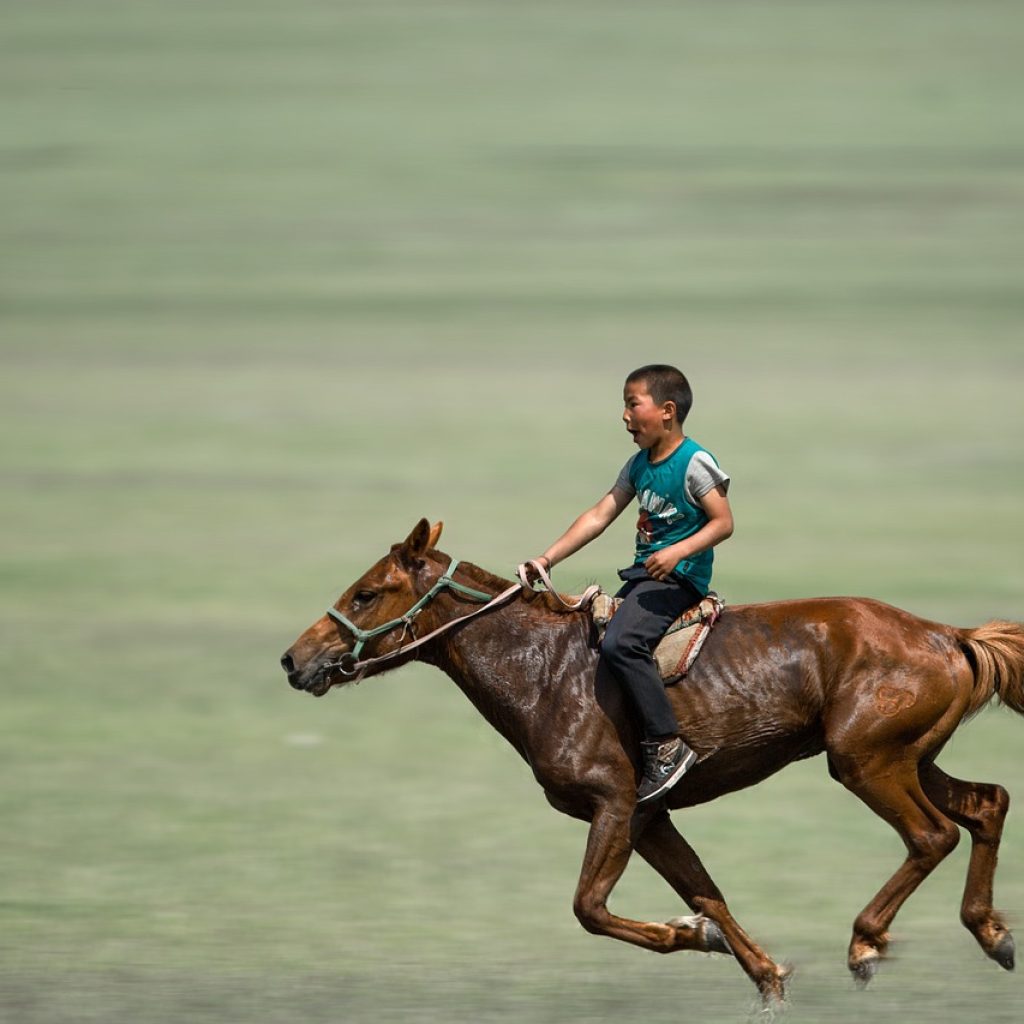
[(834, 635)]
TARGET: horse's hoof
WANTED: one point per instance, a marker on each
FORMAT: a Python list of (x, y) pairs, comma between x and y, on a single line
[(865, 968), (773, 988), (1005, 952)]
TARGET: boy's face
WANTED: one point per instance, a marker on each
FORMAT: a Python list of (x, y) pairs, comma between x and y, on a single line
[(647, 421)]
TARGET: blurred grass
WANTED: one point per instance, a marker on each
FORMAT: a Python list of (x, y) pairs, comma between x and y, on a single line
[(276, 281)]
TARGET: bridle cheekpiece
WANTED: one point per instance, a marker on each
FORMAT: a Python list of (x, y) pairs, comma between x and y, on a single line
[(349, 663)]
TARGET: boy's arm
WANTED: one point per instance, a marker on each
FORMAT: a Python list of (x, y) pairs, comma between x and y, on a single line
[(719, 527), (587, 526)]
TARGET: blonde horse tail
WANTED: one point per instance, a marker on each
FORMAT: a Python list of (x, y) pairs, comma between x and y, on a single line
[(996, 653)]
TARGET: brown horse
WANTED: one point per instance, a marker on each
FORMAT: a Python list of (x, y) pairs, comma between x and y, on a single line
[(877, 689)]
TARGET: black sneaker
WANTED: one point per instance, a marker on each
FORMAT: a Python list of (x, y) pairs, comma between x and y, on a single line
[(665, 763)]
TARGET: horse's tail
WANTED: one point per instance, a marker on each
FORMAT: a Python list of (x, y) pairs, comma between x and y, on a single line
[(996, 653)]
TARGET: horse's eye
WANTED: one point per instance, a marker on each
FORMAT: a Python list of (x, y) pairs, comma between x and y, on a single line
[(365, 597)]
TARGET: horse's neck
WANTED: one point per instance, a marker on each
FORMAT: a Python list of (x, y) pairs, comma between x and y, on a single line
[(513, 663)]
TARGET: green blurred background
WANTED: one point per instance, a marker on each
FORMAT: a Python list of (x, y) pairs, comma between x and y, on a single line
[(279, 279)]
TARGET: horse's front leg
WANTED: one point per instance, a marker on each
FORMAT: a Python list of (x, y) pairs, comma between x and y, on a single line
[(661, 845), (609, 847)]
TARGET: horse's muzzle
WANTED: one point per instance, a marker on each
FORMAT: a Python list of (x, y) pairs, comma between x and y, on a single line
[(309, 679), (288, 664), (297, 679)]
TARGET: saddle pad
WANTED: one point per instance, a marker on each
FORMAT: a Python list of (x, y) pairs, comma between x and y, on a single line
[(678, 649)]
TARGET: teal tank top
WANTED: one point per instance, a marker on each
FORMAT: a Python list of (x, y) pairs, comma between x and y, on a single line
[(666, 516)]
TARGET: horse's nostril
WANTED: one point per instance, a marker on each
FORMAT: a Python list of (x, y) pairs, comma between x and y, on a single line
[(287, 664)]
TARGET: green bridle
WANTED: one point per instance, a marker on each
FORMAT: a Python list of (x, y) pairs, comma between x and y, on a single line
[(349, 664)]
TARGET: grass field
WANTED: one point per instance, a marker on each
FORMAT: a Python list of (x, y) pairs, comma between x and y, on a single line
[(278, 279)]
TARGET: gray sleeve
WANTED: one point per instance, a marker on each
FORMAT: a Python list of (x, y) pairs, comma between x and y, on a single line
[(703, 475), (622, 482)]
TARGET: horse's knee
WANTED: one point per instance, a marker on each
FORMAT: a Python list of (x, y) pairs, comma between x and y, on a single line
[(592, 914), (927, 849), (931, 848)]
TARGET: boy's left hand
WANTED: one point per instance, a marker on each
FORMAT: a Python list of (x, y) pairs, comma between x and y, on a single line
[(661, 563), (718, 527)]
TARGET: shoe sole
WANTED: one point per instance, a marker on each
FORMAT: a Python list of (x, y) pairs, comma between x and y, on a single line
[(681, 769)]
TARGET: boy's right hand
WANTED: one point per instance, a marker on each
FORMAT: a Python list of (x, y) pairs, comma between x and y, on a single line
[(528, 574)]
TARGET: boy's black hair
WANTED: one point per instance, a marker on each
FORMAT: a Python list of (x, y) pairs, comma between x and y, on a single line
[(665, 384)]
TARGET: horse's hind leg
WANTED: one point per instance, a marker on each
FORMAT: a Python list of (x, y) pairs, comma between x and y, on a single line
[(893, 791), (981, 809), (675, 860)]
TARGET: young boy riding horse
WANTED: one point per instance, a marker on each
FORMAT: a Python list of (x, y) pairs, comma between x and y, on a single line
[(684, 513)]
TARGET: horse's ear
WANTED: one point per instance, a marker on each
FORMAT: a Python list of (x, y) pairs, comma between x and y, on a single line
[(435, 534), (416, 544)]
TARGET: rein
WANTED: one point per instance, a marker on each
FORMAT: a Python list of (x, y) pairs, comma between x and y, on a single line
[(584, 601), (349, 663)]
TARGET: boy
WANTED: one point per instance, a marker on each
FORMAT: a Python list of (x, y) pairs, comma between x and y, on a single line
[(684, 513)]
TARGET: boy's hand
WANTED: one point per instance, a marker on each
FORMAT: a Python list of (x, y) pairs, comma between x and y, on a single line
[(716, 529), (530, 572), (661, 563)]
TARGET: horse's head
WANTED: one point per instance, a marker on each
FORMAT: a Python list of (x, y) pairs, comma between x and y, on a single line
[(372, 611)]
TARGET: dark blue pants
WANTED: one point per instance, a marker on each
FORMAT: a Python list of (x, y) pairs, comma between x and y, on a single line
[(648, 608)]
